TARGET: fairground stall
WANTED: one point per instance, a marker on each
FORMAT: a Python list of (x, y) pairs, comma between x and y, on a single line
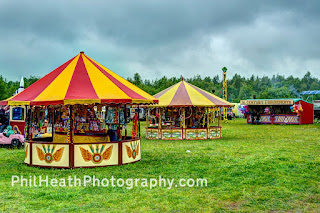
[(278, 111), (14, 116), (313, 95), (316, 104), (85, 107), (185, 112)]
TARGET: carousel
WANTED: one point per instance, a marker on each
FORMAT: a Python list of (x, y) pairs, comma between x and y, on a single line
[(185, 112), (77, 116)]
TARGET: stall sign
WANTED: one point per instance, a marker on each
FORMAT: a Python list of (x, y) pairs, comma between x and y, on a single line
[(267, 102)]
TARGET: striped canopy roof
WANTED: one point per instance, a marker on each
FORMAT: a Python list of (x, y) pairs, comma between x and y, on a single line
[(81, 80), (185, 94)]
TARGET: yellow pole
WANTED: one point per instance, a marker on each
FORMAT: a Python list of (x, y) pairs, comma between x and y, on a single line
[(147, 120), (225, 91)]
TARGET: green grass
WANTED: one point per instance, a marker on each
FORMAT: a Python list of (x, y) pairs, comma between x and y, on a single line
[(253, 168)]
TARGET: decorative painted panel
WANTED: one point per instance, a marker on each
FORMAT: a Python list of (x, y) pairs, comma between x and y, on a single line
[(266, 119), (196, 134), (50, 155), (92, 155), (177, 134), (152, 133), (215, 133), (166, 134), (286, 119), (131, 151)]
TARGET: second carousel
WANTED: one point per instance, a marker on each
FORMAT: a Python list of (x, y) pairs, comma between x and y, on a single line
[(185, 112)]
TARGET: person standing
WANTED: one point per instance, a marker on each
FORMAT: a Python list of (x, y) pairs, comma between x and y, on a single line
[(3, 120)]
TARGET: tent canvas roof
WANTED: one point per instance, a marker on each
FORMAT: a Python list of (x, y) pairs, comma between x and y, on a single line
[(81, 80), (185, 94)]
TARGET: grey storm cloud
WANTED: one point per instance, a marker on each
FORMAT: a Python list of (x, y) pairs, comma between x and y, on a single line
[(162, 37)]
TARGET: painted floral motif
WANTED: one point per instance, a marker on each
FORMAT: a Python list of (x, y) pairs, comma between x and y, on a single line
[(95, 156), (133, 150), (48, 154)]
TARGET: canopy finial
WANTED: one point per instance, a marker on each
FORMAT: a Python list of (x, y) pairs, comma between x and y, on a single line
[(82, 52)]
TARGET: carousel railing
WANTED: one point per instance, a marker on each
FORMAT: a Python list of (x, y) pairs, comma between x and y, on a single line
[(184, 133)]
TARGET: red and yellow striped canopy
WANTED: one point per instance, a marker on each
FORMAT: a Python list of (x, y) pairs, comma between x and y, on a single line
[(185, 94), (81, 80)]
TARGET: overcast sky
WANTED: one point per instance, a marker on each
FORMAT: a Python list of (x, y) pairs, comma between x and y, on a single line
[(162, 37)]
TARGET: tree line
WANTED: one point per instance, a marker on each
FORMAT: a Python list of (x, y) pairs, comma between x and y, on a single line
[(7, 88), (239, 87)]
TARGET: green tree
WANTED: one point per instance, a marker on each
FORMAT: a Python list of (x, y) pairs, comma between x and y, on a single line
[(3, 88)]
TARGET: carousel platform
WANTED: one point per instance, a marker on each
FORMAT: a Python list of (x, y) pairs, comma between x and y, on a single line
[(82, 155)]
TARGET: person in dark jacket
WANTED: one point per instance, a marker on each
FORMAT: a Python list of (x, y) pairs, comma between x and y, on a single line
[(3, 121)]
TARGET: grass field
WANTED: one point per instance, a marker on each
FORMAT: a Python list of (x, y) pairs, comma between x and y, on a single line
[(253, 168)]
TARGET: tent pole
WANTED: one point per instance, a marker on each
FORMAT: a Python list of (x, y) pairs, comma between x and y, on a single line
[(71, 145), (119, 128), (28, 123), (147, 117), (125, 121), (160, 121), (147, 120), (219, 117), (183, 122), (139, 120), (208, 122), (71, 123), (53, 120)]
